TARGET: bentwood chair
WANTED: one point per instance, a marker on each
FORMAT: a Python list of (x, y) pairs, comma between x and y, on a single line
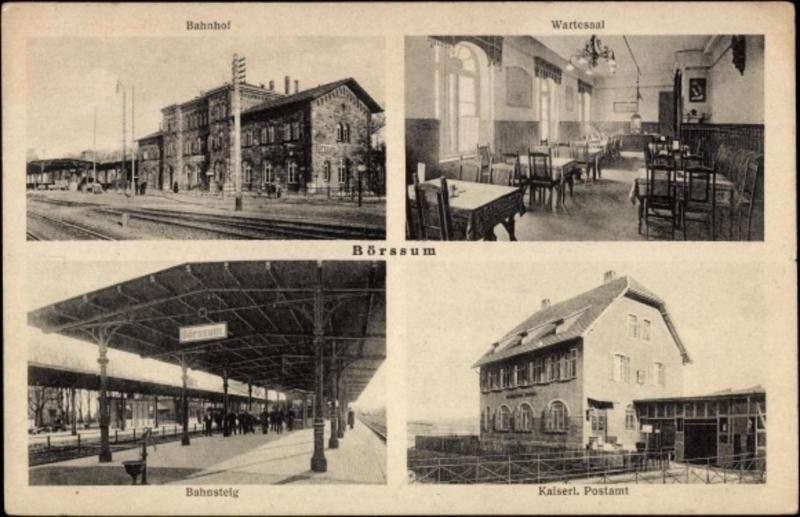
[(540, 166), (699, 200), (433, 211), (484, 164), (660, 201), (746, 196)]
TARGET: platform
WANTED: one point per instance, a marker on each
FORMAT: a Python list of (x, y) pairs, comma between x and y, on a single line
[(239, 459)]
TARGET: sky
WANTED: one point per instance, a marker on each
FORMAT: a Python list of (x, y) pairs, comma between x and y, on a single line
[(68, 78), (47, 287), (718, 311)]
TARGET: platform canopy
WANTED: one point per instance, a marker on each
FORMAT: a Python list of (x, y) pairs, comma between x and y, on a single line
[(59, 376), (253, 320)]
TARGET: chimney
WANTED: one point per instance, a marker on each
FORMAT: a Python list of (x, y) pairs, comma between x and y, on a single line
[(545, 303), (296, 86), (261, 85), (272, 86), (286, 84), (608, 276)]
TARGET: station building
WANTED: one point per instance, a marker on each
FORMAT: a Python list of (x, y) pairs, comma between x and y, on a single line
[(568, 376), (311, 140)]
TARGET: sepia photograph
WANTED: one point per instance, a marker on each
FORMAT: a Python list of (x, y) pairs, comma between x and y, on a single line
[(207, 373), (595, 138), (584, 376), (167, 138)]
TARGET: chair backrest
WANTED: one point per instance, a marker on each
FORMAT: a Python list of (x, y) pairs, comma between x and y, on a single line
[(540, 165), (753, 171), (700, 185), (433, 211), (561, 149), (484, 164), (579, 151), (661, 178), (516, 173)]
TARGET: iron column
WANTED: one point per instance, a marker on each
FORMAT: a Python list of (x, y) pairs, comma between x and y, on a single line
[(105, 448), (333, 442), (184, 403), (318, 461)]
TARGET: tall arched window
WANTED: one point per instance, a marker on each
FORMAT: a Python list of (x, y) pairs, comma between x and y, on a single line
[(504, 419), (326, 171), (525, 422), (339, 132), (247, 174), (341, 172), (347, 133), (269, 175), (459, 98), (557, 416), (292, 171)]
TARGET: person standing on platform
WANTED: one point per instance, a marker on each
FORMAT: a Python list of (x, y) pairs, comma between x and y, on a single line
[(207, 423), (290, 419), (351, 418), (273, 419), (264, 421)]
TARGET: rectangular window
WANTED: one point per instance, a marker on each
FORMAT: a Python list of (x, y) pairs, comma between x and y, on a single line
[(630, 421), (295, 130), (641, 377), (263, 135), (292, 172), (660, 374), (271, 134), (287, 132), (645, 330), (573, 363), (633, 326), (621, 368), (520, 376)]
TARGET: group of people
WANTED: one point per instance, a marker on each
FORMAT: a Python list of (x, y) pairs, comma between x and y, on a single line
[(229, 424), (244, 422), (275, 419)]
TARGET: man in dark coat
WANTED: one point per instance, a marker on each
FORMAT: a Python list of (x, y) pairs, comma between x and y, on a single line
[(351, 418), (264, 421)]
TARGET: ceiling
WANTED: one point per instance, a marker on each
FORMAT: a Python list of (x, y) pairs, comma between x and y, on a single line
[(655, 54)]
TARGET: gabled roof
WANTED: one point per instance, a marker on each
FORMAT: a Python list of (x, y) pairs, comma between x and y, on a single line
[(315, 93), (570, 319), (151, 135)]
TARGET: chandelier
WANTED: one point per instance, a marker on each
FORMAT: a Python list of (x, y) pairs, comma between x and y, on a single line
[(594, 59)]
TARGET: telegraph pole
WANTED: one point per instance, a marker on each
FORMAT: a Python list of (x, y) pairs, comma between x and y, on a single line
[(94, 148), (133, 148), (238, 70)]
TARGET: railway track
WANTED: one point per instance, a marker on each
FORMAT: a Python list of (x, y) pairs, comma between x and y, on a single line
[(69, 226), (243, 227), (32, 236), (379, 428)]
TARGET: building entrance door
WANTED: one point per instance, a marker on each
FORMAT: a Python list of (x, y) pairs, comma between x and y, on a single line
[(700, 439)]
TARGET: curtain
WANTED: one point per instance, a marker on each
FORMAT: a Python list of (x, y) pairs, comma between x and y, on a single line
[(555, 95)]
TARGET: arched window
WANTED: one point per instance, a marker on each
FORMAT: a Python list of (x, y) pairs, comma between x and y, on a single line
[(339, 132), (347, 133), (557, 416), (269, 174), (504, 419), (459, 91), (247, 173), (292, 171), (525, 422), (341, 172), (326, 171)]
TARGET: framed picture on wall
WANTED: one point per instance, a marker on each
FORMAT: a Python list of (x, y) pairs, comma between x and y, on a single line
[(697, 89)]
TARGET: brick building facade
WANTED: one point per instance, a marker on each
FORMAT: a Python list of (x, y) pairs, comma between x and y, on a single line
[(311, 141), (567, 376)]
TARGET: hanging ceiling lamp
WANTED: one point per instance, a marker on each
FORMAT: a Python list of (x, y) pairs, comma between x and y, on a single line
[(594, 59)]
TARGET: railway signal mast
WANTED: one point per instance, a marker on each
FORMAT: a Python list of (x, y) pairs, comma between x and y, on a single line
[(238, 69)]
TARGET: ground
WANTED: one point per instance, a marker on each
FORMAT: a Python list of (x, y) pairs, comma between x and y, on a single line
[(602, 211), (100, 213), (239, 459)]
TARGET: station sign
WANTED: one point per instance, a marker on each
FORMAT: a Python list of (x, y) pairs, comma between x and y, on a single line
[(205, 332)]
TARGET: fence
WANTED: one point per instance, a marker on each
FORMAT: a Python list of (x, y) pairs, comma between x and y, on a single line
[(52, 448), (617, 467)]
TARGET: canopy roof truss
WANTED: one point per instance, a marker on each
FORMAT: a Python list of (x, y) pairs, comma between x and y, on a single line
[(269, 309)]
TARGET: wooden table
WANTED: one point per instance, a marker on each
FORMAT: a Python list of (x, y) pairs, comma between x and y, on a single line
[(478, 207)]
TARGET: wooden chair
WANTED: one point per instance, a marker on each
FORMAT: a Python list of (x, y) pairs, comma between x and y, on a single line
[(699, 198), (484, 164), (433, 211), (694, 158), (579, 151), (562, 149), (517, 178), (660, 201), (540, 165), (745, 198)]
